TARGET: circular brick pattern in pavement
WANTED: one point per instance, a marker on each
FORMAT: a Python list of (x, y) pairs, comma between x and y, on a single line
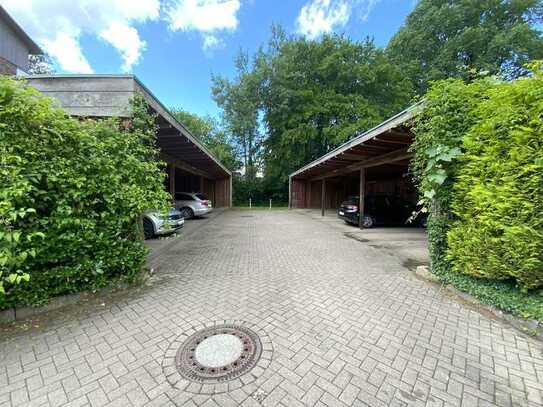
[(217, 358)]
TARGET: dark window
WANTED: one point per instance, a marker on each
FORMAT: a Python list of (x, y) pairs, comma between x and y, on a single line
[(183, 197), (202, 197)]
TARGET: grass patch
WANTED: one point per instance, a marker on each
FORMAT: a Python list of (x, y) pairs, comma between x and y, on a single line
[(502, 294), (261, 208)]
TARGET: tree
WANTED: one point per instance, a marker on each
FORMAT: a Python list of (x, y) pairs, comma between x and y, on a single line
[(318, 94), (239, 99), (457, 38), (40, 65), (207, 130)]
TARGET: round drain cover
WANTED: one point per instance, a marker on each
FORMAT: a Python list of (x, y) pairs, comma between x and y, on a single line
[(212, 359), (219, 353), (218, 350)]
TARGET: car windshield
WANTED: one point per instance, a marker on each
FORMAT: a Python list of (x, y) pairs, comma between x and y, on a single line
[(353, 199), (201, 197)]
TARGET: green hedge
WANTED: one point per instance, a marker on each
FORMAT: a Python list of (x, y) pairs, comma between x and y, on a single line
[(498, 193), (71, 196), (479, 169)]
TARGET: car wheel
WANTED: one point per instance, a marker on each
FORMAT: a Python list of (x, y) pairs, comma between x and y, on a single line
[(148, 229), (187, 213), (367, 222)]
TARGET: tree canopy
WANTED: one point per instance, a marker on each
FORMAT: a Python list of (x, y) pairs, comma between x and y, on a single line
[(318, 94), (207, 130), (298, 99), (442, 39)]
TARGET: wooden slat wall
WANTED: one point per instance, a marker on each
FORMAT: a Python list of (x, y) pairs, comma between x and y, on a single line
[(209, 190), (298, 191), (89, 96), (222, 193)]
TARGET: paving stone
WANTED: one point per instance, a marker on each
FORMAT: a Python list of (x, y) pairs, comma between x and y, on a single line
[(347, 325)]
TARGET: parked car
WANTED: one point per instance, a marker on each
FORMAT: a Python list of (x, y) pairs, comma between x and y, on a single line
[(192, 204), (157, 223), (379, 209)]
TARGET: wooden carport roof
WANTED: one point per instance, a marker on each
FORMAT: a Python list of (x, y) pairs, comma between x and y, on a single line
[(384, 144), (109, 96)]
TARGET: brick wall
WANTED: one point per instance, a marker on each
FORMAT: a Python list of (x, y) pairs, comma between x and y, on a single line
[(7, 68)]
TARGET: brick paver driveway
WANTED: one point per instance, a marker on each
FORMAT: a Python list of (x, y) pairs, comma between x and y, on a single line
[(348, 324)]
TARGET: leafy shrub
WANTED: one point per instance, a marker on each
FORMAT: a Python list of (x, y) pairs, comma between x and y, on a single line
[(478, 165), (446, 115), (71, 196), (498, 194)]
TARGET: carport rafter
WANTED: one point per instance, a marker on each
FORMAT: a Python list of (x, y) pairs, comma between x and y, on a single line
[(384, 149), (391, 157)]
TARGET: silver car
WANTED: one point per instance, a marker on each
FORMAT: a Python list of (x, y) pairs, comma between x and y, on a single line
[(158, 223), (192, 204)]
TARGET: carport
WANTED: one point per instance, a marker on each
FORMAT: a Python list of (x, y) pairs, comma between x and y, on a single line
[(190, 166), (373, 162)]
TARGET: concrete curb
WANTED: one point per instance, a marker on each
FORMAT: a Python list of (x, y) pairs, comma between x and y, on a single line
[(531, 327), (55, 303), (17, 314)]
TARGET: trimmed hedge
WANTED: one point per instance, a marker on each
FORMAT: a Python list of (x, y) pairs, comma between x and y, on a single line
[(479, 169), (498, 193), (71, 196)]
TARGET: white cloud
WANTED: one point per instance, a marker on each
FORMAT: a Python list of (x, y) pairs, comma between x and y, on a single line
[(208, 17), (68, 48), (59, 24), (127, 40), (324, 16), (211, 42)]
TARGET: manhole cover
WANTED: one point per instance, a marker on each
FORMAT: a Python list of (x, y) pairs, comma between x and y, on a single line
[(217, 358), (220, 353)]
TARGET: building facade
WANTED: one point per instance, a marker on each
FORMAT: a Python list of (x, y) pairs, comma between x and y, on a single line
[(15, 46)]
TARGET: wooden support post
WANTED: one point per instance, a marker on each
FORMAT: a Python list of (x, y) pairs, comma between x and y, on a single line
[(362, 196), (290, 192), (230, 193), (172, 180), (308, 194), (323, 197), (201, 184)]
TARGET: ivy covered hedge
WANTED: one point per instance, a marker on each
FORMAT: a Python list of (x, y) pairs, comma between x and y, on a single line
[(479, 166), (71, 196)]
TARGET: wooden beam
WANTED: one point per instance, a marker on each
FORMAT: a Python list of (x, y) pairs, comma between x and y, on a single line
[(172, 180), (290, 192), (323, 197), (361, 196), (230, 190), (184, 166), (308, 194), (393, 156)]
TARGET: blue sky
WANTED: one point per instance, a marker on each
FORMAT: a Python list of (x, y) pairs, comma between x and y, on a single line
[(174, 46)]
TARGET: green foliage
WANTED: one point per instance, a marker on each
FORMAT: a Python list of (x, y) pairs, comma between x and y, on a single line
[(298, 99), (478, 166), (71, 197), (442, 39), (502, 294), (239, 100), (319, 94), (207, 130), (438, 129), (498, 195)]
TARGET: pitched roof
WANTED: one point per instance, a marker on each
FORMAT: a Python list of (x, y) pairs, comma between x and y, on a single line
[(33, 48)]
